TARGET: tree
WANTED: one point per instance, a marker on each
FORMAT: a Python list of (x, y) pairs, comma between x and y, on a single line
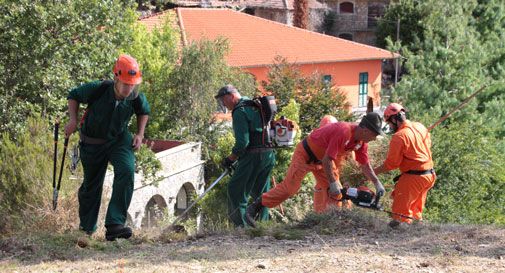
[(283, 81), (453, 52), (157, 53), (315, 98), (470, 182), (195, 82), (410, 15), (50, 46), (301, 16)]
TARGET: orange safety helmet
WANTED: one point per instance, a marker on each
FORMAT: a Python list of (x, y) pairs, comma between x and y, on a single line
[(127, 70), (392, 109), (327, 119)]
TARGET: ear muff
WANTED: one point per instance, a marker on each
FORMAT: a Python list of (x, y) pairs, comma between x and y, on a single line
[(400, 116)]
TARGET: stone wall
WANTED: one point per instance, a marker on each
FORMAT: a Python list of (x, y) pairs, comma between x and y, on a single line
[(182, 169)]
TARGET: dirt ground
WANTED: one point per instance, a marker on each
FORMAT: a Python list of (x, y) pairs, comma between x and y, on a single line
[(427, 248)]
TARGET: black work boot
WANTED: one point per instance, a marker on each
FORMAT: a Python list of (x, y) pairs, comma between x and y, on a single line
[(115, 231), (252, 211), (394, 224)]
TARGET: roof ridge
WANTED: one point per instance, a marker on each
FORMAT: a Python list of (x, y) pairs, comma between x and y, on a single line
[(296, 28)]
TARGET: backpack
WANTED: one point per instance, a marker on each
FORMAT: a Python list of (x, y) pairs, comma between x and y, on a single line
[(268, 109)]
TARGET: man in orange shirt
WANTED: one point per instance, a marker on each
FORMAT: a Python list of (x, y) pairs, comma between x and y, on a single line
[(318, 154), (322, 200), (410, 151)]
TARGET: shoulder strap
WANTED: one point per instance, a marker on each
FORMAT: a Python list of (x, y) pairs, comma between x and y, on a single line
[(97, 93), (245, 103), (137, 104)]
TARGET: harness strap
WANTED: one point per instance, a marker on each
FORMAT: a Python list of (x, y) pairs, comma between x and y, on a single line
[(259, 150), (415, 172), (312, 157), (91, 140)]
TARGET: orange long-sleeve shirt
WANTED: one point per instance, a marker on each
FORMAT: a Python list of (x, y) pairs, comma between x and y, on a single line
[(410, 148)]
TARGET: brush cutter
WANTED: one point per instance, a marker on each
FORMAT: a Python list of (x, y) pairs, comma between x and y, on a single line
[(366, 198), (56, 187), (226, 171)]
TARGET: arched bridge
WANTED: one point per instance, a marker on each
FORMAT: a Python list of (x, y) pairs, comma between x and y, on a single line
[(183, 176)]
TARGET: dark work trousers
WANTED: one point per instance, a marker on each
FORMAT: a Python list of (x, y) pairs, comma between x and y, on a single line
[(95, 158), (251, 178)]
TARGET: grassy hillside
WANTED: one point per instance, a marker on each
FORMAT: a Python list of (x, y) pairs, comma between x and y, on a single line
[(345, 241)]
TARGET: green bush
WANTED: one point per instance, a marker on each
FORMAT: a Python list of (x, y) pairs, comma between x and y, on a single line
[(320, 101), (26, 167), (451, 55), (214, 206), (470, 186), (49, 47)]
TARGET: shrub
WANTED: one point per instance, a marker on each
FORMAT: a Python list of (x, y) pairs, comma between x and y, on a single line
[(26, 166), (470, 186)]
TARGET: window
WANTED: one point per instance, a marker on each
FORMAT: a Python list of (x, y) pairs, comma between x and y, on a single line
[(375, 11), (327, 79), (363, 89), (347, 36), (346, 7)]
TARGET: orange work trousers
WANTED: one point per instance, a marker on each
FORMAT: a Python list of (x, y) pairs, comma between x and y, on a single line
[(323, 201), (293, 180), (409, 196)]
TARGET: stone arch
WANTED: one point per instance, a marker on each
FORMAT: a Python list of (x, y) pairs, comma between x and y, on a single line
[(184, 198), (346, 7), (154, 211)]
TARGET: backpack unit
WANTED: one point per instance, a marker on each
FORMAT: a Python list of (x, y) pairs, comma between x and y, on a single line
[(283, 132), (279, 132)]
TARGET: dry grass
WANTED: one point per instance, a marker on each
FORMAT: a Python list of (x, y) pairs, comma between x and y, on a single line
[(64, 218), (352, 241)]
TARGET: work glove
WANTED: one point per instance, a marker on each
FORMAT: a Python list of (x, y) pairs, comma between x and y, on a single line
[(379, 189), (334, 190), (227, 164)]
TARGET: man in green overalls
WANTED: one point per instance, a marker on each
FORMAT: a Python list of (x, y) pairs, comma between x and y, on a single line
[(104, 138), (254, 160)]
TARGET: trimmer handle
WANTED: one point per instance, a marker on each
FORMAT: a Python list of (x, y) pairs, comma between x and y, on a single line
[(343, 191), (376, 204), (56, 128)]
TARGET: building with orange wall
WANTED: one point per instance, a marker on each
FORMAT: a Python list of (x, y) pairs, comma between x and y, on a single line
[(355, 69)]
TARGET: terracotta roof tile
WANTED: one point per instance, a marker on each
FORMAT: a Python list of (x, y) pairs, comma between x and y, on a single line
[(256, 42)]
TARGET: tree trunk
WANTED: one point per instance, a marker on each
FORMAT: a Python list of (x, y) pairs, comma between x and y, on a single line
[(301, 16)]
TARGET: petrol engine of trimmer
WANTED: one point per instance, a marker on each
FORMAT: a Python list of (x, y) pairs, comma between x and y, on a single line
[(362, 196)]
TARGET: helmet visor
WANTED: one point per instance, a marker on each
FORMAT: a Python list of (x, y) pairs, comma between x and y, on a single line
[(221, 107)]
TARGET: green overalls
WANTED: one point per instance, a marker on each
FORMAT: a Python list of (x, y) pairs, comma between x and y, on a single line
[(105, 138), (254, 164)]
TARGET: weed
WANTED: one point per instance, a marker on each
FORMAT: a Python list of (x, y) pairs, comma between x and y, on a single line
[(288, 234), (256, 232)]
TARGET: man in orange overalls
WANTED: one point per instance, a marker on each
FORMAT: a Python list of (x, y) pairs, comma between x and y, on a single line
[(322, 200), (318, 154), (410, 151)]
